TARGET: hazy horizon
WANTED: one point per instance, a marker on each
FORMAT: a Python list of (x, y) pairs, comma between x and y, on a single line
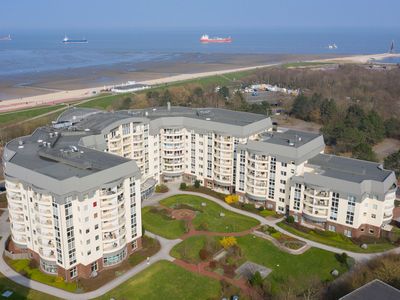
[(188, 15)]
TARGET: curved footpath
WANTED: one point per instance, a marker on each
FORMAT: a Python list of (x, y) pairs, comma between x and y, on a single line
[(163, 254)]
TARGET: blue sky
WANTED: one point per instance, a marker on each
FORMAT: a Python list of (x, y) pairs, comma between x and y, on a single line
[(69, 14)]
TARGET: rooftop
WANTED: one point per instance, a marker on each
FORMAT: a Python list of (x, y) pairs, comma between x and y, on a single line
[(57, 154), (292, 138), (349, 169), (373, 290)]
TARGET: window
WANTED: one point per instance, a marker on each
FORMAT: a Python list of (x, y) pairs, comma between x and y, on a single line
[(347, 232), (283, 173), (97, 237), (375, 206), (331, 228), (95, 215), (134, 245), (87, 242), (371, 231), (97, 248), (284, 164), (94, 203), (87, 230), (94, 267), (96, 226), (89, 252), (73, 272), (115, 259), (373, 216)]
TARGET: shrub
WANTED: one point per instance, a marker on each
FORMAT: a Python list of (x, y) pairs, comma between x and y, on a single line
[(203, 226), (183, 186), (204, 254), (33, 264), (271, 230), (342, 258), (59, 279), (228, 242), (260, 208), (161, 188), (197, 184), (256, 279), (213, 264), (231, 199), (290, 219)]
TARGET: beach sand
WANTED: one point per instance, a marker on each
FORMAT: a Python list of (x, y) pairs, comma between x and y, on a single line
[(69, 85)]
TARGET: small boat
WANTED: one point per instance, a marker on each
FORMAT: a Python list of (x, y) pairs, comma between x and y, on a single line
[(391, 48), (206, 39), (5, 38), (67, 40), (332, 46)]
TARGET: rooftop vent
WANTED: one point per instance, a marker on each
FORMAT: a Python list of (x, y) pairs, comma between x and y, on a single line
[(51, 134), (40, 141), (169, 106), (380, 167), (87, 129), (208, 119), (146, 113), (20, 142), (291, 143)]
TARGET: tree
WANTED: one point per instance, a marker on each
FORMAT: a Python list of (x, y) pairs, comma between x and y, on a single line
[(166, 97), (392, 128), (183, 186), (198, 92), (256, 279), (228, 242), (392, 162), (231, 199), (373, 127), (223, 92), (328, 110), (290, 219), (197, 184), (364, 151)]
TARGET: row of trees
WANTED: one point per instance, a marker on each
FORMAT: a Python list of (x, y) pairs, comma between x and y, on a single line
[(350, 129)]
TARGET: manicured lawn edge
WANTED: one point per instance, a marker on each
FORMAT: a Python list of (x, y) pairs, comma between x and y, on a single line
[(341, 241)]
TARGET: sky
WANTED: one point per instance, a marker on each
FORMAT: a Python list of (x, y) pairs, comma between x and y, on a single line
[(186, 14)]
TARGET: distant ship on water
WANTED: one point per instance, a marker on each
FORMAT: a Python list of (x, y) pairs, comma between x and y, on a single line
[(5, 38), (391, 48), (206, 39), (332, 46), (67, 40)]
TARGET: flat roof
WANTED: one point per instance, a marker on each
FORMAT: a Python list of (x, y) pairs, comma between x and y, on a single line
[(374, 290), (349, 169), (60, 157), (290, 138)]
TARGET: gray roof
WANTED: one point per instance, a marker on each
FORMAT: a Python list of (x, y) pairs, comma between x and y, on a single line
[(374, 290), (224, 121), (347, 175), (55, 162), (291, 145)]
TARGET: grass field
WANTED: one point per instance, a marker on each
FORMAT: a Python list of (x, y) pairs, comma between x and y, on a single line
[(337, 240), (208, 217), (296, 270), (22, 266), (306, 64), (188, 250), (103, 101), (158, 224), (21, 292), (21, 115), (164, 280)]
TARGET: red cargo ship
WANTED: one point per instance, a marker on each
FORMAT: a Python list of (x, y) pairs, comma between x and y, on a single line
[(206, 39)]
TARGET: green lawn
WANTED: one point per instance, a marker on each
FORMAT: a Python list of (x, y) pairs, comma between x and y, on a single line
[(337, 240), (164, 280), (21, 292), (299, 268), (158, 224), (102, 101), (188, 250), (208, 217), (305, 64), (22, 266), (26, 114)]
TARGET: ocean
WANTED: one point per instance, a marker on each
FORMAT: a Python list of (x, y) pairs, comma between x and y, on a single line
[(41, 51)]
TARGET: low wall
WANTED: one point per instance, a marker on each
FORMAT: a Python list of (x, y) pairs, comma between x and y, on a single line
[(17, 255)]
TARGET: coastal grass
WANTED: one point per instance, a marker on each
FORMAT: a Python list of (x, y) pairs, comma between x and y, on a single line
[(23, 267), (303, 64), (16, 116), (337, 240), (289, 269), (20, 292), (211, 217), (161, 225), (102, 101), (165, 280)]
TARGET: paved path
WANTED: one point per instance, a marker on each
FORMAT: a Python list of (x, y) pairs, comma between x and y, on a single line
[(174, 189), (163, 254)]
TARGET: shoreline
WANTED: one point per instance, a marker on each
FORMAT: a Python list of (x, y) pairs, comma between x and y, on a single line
[(63, 96)]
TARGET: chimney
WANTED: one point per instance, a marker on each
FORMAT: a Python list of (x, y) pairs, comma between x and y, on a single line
[(169, 106)]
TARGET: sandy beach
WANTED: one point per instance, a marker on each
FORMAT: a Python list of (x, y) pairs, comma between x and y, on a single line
[(64, 89)]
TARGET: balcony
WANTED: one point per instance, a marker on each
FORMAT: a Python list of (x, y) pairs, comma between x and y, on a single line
[(114, 139), (45, 233), (46, 253), (12, 186), (316, 202), (315, 215), (44, 221), (19, 239), (46, 243), (17, 218)]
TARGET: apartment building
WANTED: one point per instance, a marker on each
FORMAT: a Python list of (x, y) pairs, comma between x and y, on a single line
[(75, 188), (75, 210)]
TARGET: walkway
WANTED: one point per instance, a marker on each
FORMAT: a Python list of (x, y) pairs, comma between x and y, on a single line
[(174, 190), (163, 254)]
